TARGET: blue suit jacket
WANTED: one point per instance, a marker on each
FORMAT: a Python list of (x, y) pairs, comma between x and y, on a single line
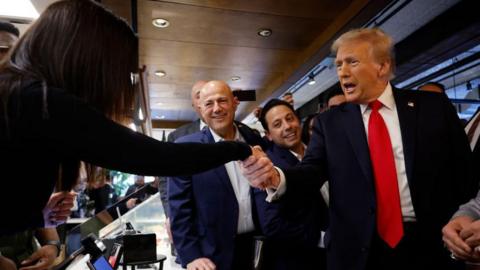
[(292, 225), (436, 152), (204, 209)]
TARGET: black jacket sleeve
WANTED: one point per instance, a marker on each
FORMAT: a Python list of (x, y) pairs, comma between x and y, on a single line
[(76, 130)]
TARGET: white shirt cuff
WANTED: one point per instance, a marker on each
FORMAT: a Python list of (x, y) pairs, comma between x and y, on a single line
[(275, 194), (321, 243)]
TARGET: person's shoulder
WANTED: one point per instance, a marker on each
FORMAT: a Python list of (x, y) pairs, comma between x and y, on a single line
[(333, 112), (182, 131), (37, 87), (193, 137), (423, 97), (275, 150)]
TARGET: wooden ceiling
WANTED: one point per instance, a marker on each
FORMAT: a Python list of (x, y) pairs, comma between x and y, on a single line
[(217, 39)]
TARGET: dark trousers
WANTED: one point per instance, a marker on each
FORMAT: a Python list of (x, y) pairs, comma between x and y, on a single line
[(416, 251), (244, 252), (284, 255)]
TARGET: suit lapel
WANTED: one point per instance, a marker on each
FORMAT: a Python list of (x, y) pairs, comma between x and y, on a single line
[(220, 171), (353, 125), (407, 116), (288, 158)]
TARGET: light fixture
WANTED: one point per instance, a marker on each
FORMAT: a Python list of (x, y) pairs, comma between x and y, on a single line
[(159, 103), (160, 23), (20, 10), (265, 32), (311, 80), (160, 73), (236, 78), (140, 114)]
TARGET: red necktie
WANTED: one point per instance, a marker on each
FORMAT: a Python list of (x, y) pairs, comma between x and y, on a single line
[(389, 213)]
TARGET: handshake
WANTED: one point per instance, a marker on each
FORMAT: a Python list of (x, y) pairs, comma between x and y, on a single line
[(462, 237), (259, 170)]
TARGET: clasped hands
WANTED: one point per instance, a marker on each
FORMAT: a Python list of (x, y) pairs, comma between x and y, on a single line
[(462, 237), (259, 170)]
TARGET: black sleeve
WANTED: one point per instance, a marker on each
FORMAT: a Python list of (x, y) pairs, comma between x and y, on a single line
[(461, 156), (76, 130), (310, 174)]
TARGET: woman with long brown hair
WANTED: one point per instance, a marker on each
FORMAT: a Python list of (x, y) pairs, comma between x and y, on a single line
[(63, 90)]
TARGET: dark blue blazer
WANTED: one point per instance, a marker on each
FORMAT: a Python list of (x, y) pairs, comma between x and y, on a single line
[(436, 152), (204, 209), (292, 225)]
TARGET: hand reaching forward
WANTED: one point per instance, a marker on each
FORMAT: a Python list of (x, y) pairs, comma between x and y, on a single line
[(259, 170), (201, 264)]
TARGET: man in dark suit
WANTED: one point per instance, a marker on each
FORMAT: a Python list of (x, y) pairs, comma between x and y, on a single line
[(181, 131), (395, 162), (212, 213), (293, 226)]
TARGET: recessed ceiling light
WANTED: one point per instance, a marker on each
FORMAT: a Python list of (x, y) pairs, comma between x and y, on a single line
[(159, 103), (160, 73), (236, 78), (264, 32), (160, 116), (311, 80), (160, 23)]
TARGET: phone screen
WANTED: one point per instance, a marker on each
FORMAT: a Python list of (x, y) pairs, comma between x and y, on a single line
[(102, 264)]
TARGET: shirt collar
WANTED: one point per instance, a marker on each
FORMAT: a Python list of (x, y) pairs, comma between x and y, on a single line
[(218, 138), (386, 98), (298, 155), (202, 124)]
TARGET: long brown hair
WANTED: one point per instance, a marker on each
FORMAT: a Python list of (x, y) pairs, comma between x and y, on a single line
[(82, 48)]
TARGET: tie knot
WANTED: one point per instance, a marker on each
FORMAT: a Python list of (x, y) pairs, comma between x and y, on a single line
[(375, 105)]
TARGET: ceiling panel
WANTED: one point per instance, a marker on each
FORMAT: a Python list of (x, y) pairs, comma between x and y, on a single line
[(209, 40), (226, 27), (294, 8)]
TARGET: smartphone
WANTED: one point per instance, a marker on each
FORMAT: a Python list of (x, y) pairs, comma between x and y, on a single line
[(115, 254)]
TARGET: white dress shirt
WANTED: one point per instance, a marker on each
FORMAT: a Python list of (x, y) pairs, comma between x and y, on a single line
[(389, 113), (202, 124), (241, 188)]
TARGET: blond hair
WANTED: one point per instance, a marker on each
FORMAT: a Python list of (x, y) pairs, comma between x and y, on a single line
[(381, 44)]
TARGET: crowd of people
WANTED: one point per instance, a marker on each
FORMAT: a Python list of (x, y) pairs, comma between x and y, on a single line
[(382, 178)]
